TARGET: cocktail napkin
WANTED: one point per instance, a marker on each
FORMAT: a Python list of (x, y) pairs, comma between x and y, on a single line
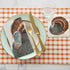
[(59, 26)]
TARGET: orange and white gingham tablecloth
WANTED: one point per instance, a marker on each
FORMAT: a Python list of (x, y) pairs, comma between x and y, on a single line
[(57, 49)]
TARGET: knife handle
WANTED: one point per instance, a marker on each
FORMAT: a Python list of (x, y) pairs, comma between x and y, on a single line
[(42, 45), (38, 53)]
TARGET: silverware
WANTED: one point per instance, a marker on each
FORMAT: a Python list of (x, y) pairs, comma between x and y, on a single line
[(29, 30), (8, 43), (36, 31)]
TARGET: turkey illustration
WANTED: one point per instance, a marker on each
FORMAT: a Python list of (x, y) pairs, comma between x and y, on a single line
[(59, 25), (21, 45)]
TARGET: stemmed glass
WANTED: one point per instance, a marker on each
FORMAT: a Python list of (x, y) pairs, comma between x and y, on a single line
[(49, 9)]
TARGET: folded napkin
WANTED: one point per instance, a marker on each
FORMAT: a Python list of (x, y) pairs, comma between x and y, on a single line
[(59, 26), (18, 38)]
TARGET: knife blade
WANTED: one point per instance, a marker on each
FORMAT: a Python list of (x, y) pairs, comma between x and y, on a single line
[(36, 31), (33, 23)]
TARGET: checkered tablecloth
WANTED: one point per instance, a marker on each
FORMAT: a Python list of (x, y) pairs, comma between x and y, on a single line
[(57, 49)]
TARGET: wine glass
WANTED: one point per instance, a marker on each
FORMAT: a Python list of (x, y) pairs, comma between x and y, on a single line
[(49, 9)]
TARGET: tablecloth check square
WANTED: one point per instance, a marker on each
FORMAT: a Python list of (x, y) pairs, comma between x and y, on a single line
[(57, 49)]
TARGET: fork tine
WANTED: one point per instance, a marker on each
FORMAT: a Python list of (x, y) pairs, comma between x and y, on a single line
[(28, 27)]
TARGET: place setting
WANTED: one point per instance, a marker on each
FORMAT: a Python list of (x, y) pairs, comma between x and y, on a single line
[(22, 37), (35, 35)]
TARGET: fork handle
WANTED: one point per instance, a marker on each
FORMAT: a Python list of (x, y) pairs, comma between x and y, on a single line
[(42, 45), (38, 53)]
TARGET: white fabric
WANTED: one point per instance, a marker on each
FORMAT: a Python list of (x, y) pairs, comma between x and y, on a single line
[(32, 3)]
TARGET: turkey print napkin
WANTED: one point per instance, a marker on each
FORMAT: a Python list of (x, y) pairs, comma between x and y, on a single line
[(58, 26), (18, 38)]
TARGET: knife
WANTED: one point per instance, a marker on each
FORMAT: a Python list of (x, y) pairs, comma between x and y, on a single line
[(36, 30)]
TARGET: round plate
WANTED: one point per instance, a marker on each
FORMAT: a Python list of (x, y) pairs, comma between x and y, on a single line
[(41, 30)]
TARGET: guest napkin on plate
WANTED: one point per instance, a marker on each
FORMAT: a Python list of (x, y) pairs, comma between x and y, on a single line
[(18, 38)]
